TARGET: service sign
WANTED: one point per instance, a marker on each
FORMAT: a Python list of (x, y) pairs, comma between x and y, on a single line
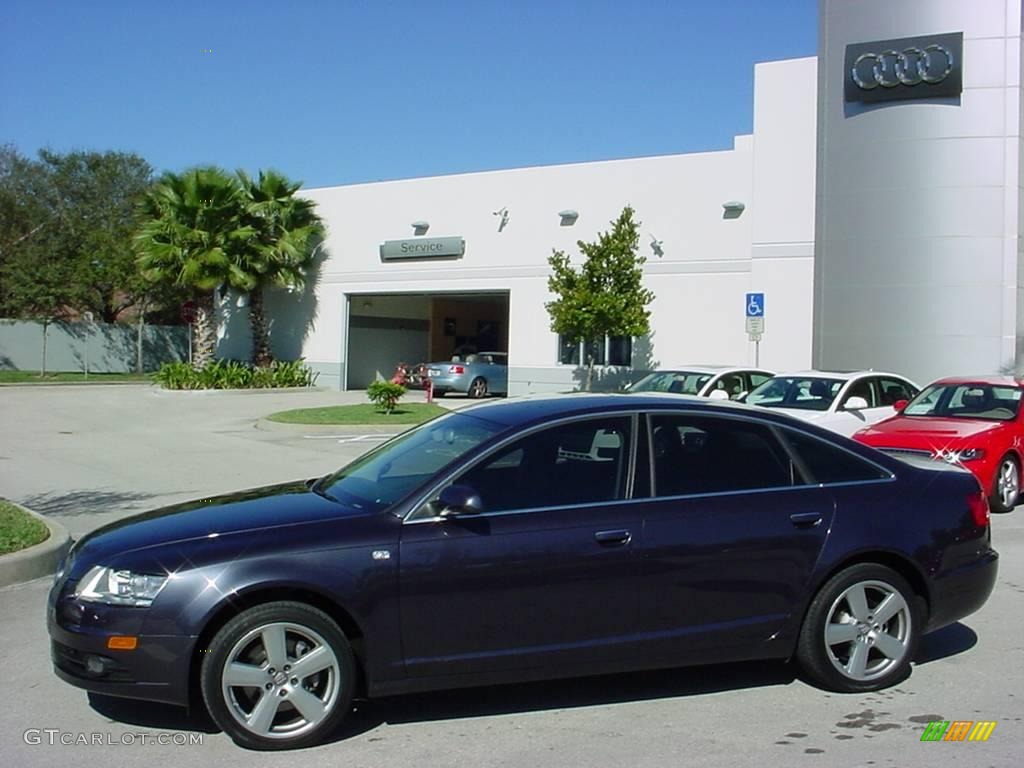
[(925, 67), (423, 248)]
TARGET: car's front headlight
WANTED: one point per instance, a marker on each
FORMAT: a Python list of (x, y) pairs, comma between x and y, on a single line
[(106, 585), (953, 456)]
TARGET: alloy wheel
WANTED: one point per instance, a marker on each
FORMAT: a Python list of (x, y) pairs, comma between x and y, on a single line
[(280, 680), (868, 630), (1008, 483)]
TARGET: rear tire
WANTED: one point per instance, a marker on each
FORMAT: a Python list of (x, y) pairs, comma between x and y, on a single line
[(1006, 485), (478, 388), (861, 631), (278, 676)]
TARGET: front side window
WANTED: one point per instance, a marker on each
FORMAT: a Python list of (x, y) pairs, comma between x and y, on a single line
[(809, 393), (583, 462), (384, 476), (699, 454), (863, 388), (894, 390)]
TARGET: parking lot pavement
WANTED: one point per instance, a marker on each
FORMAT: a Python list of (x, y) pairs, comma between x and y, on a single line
[(743, 715), (87, 455)]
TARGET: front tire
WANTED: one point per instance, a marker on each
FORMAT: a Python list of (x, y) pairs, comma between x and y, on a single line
[(861, 631), (278, 676), (1006, 485)]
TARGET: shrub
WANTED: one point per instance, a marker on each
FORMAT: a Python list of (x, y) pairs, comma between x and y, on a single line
[(233, 374), (385, 395)]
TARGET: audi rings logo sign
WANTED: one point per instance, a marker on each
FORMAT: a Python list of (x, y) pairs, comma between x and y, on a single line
[(907, 68)]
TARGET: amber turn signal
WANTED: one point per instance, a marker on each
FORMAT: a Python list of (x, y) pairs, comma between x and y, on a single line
[(119, 643)]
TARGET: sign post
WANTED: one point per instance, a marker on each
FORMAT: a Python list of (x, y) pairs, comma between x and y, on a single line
[(188, 316), (88, 317), (754, 310)]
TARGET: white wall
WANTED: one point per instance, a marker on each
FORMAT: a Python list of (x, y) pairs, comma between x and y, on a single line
[(919, 203), (709, 260)]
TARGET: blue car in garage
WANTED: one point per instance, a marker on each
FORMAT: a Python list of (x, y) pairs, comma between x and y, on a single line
[(477, 375)]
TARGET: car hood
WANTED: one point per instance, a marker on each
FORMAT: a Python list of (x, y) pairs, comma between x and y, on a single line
[(914, 431), (287, 504)]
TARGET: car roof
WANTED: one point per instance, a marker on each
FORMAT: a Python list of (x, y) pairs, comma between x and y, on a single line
[(1001, 381), (525, 409), (712, 369), (838, 375)]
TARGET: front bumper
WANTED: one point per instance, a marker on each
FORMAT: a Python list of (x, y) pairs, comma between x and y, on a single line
[(156, 670), (961, 591)]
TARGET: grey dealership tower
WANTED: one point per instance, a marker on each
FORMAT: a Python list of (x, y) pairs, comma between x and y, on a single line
[(918, 257)]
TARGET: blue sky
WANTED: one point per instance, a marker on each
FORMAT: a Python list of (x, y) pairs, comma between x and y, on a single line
[(342, 92)]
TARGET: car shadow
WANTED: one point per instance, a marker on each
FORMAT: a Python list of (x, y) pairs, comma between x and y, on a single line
[(943, 643), (561, 694), (152, 714), (517, 698), (485, 701)]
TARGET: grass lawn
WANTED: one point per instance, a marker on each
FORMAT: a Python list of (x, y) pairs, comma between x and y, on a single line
[(71, 377), (366, 413), (18, 529)]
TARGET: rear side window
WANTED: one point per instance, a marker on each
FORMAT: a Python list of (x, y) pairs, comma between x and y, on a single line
[(828, 463), (698, 454)]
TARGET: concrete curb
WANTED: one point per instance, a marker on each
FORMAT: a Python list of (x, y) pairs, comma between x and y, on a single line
[(39, 560), (158, 390), (330, 429)]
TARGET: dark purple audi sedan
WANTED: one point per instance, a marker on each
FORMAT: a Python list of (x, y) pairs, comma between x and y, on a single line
[(527, 539)]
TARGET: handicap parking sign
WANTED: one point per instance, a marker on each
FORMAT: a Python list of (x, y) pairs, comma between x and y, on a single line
[(755, 305)]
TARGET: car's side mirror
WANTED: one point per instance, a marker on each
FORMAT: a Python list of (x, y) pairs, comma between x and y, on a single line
[(458, 500), (856, 404), (900, 405), (718, 394)]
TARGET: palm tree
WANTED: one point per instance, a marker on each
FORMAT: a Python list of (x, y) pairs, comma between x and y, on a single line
[(281, 252), (194, 235)]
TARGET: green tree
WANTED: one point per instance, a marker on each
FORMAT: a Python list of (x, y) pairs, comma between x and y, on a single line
[(280, 254), (36, 269), (80, 208), (193, 235), (605, 295)]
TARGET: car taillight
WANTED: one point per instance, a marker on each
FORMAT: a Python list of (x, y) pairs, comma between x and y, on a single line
[(978, 504), (456, 369)]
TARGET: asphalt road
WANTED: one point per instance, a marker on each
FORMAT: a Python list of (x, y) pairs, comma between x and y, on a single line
[(132, 450)]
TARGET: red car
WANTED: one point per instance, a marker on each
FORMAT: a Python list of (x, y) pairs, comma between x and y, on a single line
[(976, 422)]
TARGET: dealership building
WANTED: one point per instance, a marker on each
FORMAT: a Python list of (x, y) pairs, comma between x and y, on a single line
[(876, 206)]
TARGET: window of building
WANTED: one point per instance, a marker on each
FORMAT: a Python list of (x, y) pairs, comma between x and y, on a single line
[(612, 350)]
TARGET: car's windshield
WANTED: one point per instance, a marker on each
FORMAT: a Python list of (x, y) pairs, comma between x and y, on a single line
[(679, 382), (969, 401), (383, 476), (809, 393)]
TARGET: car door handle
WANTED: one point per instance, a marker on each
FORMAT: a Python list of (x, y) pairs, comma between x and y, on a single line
[(612, 538), (805, 519)]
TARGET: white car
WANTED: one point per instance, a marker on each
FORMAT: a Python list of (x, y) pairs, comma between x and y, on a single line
[(842, 402), (719, 382)]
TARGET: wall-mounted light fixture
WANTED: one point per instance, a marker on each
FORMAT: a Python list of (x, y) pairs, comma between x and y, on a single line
[(656, 247), (732, 209), (420, 227), (503, 213), (568, 217)]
